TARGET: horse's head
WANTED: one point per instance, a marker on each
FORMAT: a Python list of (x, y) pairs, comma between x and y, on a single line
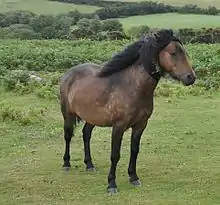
[(168, 51)]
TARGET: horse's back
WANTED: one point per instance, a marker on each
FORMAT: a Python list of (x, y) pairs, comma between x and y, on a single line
[(80, 71), (74, 75)]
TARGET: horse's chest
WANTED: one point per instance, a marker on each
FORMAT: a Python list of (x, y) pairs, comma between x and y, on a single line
[(142, 112)]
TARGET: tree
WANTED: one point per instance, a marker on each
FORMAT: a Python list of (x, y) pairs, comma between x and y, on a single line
[(138, 31), (112, 25), (41, 22)]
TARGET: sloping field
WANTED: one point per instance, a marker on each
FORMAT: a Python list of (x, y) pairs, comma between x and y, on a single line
[(172, 20), (43, 6)]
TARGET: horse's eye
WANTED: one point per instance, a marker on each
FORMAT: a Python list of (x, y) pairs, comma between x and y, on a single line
[(173, 54)]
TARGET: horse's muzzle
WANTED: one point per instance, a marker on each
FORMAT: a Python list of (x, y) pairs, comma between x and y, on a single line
[(188, 79)]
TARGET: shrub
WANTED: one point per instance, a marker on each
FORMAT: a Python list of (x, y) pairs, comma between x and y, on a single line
[(97, 30), (51, 58), (16, 17), (11, 78), (23, 116), (48, 92), (43, 55), (19, 31), (138, 31)]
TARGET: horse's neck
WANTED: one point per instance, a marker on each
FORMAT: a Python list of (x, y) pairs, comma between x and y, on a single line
[(145, 83), (136, 79)]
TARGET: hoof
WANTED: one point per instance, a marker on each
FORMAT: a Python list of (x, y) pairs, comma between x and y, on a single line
[(92, 169), (136, 182), (66, 169), (112, 190)]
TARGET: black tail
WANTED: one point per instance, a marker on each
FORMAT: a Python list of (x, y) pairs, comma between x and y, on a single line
[(69, 119)]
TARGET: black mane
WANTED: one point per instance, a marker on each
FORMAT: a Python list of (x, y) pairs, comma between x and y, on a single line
[(122, 60), (147, 49)]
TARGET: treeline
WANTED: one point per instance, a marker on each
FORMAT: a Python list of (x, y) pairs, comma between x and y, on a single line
[(114, 9), (75, 25), (28, 25), (187, 35), (208, 36), (97, 2)]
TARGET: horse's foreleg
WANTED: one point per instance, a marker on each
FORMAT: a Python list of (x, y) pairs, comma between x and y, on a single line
[(134, 147), (68, 133), (117, 134), (87, 132)]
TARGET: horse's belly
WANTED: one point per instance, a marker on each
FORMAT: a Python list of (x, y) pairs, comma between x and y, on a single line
[(88, 99), (94, 116), (91, 99)]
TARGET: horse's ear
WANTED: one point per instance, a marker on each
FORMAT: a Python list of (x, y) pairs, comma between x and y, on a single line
[(163, 38), (163, 35)]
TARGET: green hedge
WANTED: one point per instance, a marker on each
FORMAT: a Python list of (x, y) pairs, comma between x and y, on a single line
[(55, 55)]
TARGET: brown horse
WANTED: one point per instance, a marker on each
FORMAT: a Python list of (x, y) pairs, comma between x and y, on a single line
[(120, 94)]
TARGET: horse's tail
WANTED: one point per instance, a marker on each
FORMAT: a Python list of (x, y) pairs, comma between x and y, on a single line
[(71, 119)]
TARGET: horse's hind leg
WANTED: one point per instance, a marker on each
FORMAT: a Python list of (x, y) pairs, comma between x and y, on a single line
[(68, 133), (87, 132)]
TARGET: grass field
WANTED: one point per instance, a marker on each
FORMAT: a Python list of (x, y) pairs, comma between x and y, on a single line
[(43, 6), (179, 161), (47, 7), (172, 20), (201, 3)]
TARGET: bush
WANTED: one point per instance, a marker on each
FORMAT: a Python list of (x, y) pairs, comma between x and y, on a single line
[(48, 92), (11, 78), (97, 30), (138, 31), (23, 116), (19, 31), (47, 55), (16, 17), (112, 25), (203, 35), (50, 27), (39, 71)]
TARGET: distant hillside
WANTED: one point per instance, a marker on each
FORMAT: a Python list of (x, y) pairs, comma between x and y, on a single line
[(43, 6), (172, 20)]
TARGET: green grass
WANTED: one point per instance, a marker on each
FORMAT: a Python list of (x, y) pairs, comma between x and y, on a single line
[(172, 20), (178, 162), (201, 3), (43, 6)]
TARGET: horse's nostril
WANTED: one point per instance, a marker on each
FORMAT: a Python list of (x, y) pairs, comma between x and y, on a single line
[(190, 77)]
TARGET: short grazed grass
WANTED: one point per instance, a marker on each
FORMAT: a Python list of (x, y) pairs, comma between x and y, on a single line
[(43, 6), (172, 20), (179, 161)]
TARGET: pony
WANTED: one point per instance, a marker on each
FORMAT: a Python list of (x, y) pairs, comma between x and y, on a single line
[(120, 94)]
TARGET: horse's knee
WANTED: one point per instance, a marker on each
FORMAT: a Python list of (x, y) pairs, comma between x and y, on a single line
[(115, 157)]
